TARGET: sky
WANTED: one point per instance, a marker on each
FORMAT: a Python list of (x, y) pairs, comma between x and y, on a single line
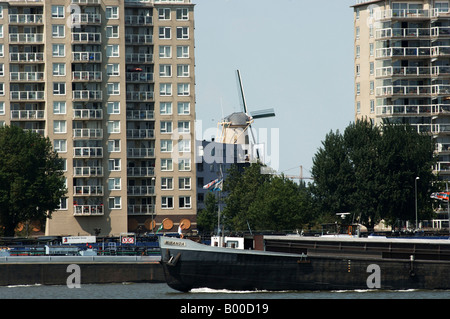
[(295, 56)]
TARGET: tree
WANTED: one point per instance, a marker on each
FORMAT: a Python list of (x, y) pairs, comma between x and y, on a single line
[(370, 172), (207, 217), (31, 178)]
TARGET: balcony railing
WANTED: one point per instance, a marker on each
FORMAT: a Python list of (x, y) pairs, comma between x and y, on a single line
[(141, 209), (414, 110), (437, 89), (88, 133), (140, 171), (88, 114), (26, 76), (88, 152), (27, 95), (403, 33), (139, 58), (138, 20), (138, 39), (139, 96), (26, 57), (140, 115), (139, 77), (140, 133), (405, 71), (95, 57), (86, 18), (140, 190), (85, 1), (403, 52), (86, 37), (87, 95), (404, 14), (141, 152), (27, 114), (88, 171), (26, 37), (87, 76), (25, 18), (88, 210), (88, 190)]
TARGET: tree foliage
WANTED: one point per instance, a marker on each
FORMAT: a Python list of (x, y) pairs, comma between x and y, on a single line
[(371, 172), (31, 178)]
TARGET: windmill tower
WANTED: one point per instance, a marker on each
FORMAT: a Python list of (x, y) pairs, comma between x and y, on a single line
[(236, 126)]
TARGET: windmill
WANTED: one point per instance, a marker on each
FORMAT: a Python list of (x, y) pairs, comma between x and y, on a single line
[(236, 126)]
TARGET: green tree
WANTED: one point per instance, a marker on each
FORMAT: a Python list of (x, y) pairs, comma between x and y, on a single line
[(207, 217), (370, 172), (31, 178)]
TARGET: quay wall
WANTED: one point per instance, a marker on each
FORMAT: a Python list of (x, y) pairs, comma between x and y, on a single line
[(55, 271)]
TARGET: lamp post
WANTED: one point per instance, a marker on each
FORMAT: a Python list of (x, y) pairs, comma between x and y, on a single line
[(415, 182)]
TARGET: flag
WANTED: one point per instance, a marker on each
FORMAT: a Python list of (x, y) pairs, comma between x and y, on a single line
[(160, 228), (211, 184), (218, 186)]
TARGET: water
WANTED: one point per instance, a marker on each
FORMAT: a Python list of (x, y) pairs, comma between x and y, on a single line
[(162, 291)]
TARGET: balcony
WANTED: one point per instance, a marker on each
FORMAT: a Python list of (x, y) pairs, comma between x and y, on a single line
[(139, 77), (27, 114), (140, 171), (141, 152), (139, 96), (441, 129), (138, 39), (136, 20), (26, 19), (404, 110), (26, 76), (86, 37), (93, 57), (403, 33), (88, 171), (141, 209), (140, 115), (87, 95), (86, 18), (27, 95), (26, 38), (140, 190), (26, 57), (88, 210), (95, 190), (403, 52), (437, 89), (140, 133), (88, 76), (87, 133), (139, 58), (405, 71), (86, 2), (402, 14), (88, 152), (88, 114)]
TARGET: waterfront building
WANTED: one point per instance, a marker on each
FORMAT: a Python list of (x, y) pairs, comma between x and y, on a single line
[(112, 84)]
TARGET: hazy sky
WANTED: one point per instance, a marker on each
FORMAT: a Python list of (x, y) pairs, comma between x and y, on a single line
[(295, 56)]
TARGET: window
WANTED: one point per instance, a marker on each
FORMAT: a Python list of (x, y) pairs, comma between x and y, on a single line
[(182, 33), (166, 202), (183, 70), (113, 126), (184, 127), (59, 107), (165, 70), (372, 106), (2, 69), (164, 33), (113, 145), (59, 88), (185, 202), (63, 203), (358, 88), (166, 146), (184, 183), (60, 146), (112, 12), (358, 51), (112, 69), (183, 89), (115, 202), (372, 68), (184, 146), (165, 51), (58, 12), (357, 33), (166, 127), (182, 14), (183, 51), (165, 108), (358, 70), (114, 183), (59, 127), (370, 49), (166, 164), (113, 108), (2, 108), (184, 164), (114, 164), (2, 50), (441, 6), (166, 183), (184, 108), (113, 88), (112, 31), (59, 69), (58, 30), (2, 88), (372, 87), (165, 89), (164, 14), (58, 50), (358, 107), (1, 30), (112, 50)]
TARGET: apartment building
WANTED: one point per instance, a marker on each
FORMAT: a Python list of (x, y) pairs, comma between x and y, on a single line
[(402, 67), (112, 84)]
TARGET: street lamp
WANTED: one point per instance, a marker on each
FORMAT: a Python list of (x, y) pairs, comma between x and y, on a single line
[(415, 182)]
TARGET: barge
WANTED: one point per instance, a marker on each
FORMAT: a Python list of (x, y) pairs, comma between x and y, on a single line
[(286, 263)]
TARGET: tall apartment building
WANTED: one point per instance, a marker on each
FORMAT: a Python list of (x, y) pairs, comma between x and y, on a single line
[(402, 67), (111, 83)]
